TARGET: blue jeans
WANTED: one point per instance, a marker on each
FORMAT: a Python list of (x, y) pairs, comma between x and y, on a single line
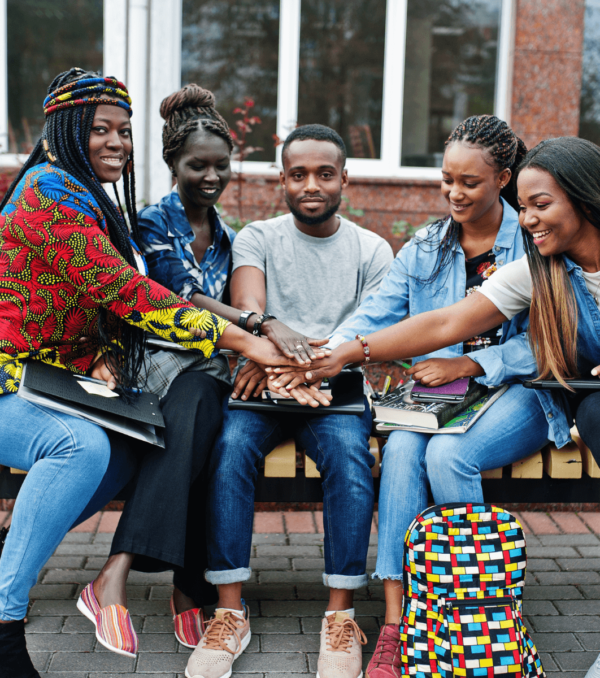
[(337, 443), (72, 473), (514, 427)]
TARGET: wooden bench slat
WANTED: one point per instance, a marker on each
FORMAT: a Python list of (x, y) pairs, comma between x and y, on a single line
[(587, 458), (530, 467), (281, 462), (17, 471), (310, 468), (492, 473), (563, 463)]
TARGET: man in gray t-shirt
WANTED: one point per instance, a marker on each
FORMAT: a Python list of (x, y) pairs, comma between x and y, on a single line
[(310, 269)]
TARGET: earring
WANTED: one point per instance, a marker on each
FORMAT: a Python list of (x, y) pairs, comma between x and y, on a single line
[(173, 171)]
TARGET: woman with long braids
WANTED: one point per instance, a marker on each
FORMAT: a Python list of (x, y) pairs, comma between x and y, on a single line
[(442, 264), (559, 282), (71, 295)]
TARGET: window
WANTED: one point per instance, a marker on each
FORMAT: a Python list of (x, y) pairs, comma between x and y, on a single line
[(342, 46), (589, 112), (230, 47), (449, 72), (45, 38)]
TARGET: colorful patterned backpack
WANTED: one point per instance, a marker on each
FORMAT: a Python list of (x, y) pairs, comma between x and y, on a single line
[(464, 572)]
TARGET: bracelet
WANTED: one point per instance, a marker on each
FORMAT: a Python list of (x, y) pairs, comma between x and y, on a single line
[(259, 322), (365, 346), (243, 319)]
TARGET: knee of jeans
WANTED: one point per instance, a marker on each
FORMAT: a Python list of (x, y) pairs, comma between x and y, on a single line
[(91, 446), (445, 456), (403, 451), (231, 454)]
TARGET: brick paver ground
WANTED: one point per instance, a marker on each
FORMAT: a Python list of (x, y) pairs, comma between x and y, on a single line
[(287, 600)]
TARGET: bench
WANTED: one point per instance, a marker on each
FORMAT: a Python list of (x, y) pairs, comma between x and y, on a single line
[(569, 475)]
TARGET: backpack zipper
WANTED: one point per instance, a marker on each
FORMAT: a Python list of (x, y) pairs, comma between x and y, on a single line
[(478, 602)]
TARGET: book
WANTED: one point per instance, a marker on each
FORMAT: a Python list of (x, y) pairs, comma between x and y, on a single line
[(454, 391), (61, 390), (273, 395), (459, 424), (346, 389), (398, 407)]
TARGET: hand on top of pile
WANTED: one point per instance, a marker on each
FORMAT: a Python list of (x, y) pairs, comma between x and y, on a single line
[(293, 344)]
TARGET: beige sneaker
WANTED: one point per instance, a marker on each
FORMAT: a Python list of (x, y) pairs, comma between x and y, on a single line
[(341, 651), (225, 638)]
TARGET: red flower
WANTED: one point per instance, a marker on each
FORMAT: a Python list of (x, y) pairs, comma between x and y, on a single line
[(75, 322), (48, 328)]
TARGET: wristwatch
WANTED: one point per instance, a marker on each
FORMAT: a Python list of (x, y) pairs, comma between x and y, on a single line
[(243, 319), (259, 322)]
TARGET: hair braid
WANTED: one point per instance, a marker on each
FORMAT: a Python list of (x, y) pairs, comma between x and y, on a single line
[(184, 112), (67, 135)]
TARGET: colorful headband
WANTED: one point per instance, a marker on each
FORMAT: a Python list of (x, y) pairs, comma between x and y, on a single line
[(87, 91)]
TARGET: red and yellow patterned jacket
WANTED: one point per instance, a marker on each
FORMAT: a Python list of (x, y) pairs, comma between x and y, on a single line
[(58, 268)]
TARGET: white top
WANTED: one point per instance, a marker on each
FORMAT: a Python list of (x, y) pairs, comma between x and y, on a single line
[(509, 289)]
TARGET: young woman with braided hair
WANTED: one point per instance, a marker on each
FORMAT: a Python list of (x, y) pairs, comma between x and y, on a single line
[(72, 295), (442, 264)]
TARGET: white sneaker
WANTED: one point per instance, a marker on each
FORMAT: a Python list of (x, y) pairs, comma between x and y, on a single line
[(341, 651), (226, 636), (594, 670)]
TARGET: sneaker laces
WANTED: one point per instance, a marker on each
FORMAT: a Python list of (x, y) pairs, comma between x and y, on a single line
[(339, 634), (386, 651), (220, 630)]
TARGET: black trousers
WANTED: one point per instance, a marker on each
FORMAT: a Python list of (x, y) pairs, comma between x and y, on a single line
[(587, 418), (164, 520)]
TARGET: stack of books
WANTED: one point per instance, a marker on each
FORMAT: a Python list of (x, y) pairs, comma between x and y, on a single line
[(397, 411)]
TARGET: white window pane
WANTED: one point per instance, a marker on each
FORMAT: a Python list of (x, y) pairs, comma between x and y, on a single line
[(44, 39), (341, 70), (450, 72), (231, 48), (589, 117)]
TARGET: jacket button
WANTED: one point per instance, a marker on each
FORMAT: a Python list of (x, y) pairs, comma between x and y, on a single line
[(550, 416), (501, 262), (497, 249)]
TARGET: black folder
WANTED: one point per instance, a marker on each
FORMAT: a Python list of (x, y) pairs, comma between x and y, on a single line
[(347, 398), (577, 384), (61, 390)]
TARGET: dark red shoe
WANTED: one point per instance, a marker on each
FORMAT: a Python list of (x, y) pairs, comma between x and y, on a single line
[(385, 662)]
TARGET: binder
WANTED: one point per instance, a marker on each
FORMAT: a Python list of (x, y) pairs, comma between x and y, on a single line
[(61, 390)]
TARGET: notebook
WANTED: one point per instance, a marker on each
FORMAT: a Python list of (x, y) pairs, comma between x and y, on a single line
[(61, 390), (346, 390), (454, 391)]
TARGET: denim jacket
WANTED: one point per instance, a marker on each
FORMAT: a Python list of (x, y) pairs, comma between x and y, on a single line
[(167, 237), (555, 403), (401, 294)]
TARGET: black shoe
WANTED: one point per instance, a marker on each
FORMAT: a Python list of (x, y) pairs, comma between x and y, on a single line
[(15, 661)]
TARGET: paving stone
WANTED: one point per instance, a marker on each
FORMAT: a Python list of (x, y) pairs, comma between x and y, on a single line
[(149, 607), (272, 539), (292, 551), (569, 522), (95, 562), (548, 662), (270, 563), (279, 577), (540, 523), (306, 539), (76, 576), (591, 592), (273, 661), (572, 565), (565, 578), (588, 539), (268, 522), (52, 608), (314, 591), (160, 592), (560, 674), (309, 564), (103, 538), (589, 641), (74, 562), (300, 521), (159, 663), (543, 565), (578, 607), (40, 660), (70, 674), (574, 661), (556, 642), (109, 521), (366, 608), (52, 591), (540, 607), (118, 675), (62, 642), (551, 593), (275, 625), (82, 550), (44, 625), (92, 661), (565, 624), (157, 625), (532, 540), (551, 552), (253, 592), (78, 538), (589, 551), (290, 643), (299, 608), (80, 624)]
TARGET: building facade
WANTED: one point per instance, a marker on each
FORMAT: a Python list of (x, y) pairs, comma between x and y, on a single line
[(392, 76)]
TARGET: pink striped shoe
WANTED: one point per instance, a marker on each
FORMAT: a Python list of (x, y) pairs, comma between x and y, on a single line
[(189, 626), (114, 628)]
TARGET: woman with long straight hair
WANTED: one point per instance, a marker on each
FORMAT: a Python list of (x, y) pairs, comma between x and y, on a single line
[(74, 294), (558, 281)]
